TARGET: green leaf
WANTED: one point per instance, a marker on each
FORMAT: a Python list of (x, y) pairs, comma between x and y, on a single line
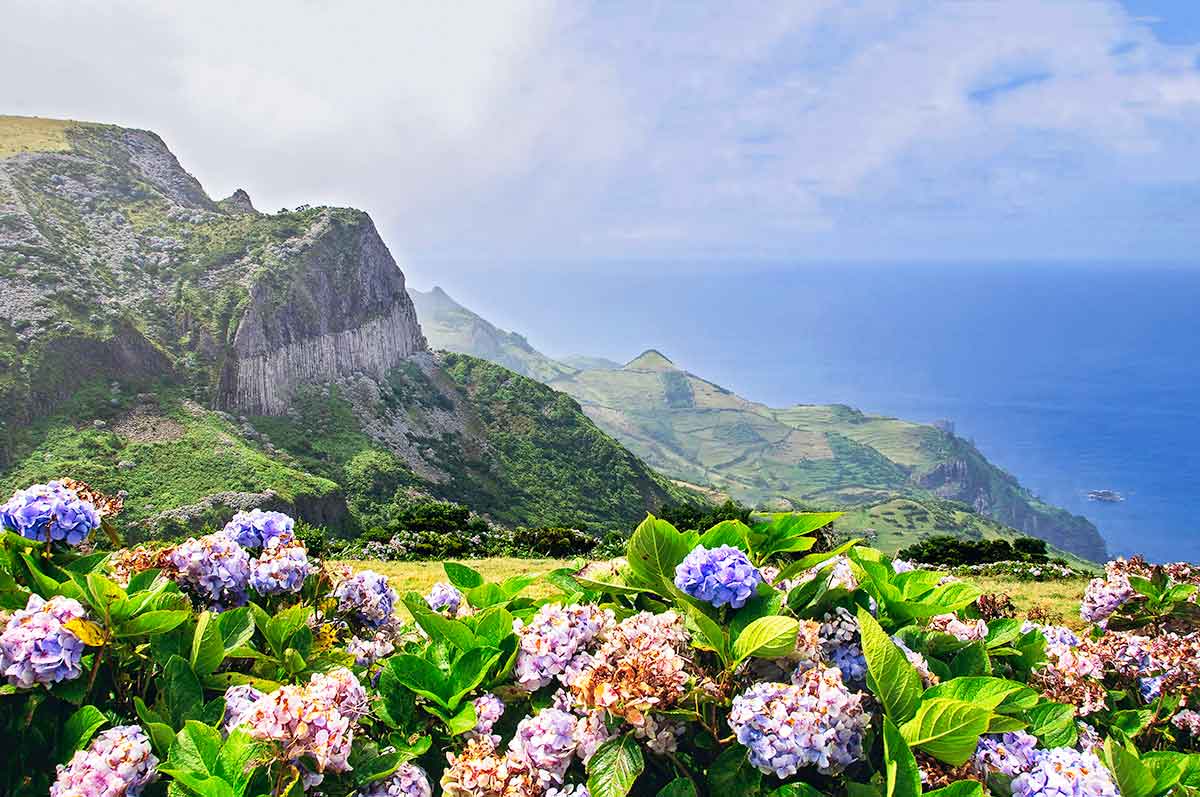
[(79, 729), (1053, 723), (1134, 778), (437, 626), (208, 649), (999, 694), (947, 729), (614, 767), (463, 721), (152, 623), (896, 682), (903, 776), (971, 660), (462, 576), (727, 532), (680, 787), (421, 677), (767, 638), (796, 790), (515, 585), (181, 690), (732, 774), (962, 788), (654, 550), (205, 785), (486, 595), (284, 625), (710, 633), (223, 680), (239, 757), (237, 628), (377, 768), (162, 736), (196, 749)]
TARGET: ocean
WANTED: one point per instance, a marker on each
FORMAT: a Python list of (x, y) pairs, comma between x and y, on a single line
[(1071, 377)]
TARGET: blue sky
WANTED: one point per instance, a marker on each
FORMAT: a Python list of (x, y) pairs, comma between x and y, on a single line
[(531, 134)]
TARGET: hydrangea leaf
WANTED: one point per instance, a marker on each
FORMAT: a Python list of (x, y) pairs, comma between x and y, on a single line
[(79, 729), (1053, 723), (152, 623), (1132, 776), (766, 638), (962, 788), (947, 729), (461, 576), (896, 682), (903, 777), (654, 550), (614, 767)]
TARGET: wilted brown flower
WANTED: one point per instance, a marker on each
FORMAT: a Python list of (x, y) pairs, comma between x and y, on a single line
[(937, 774), (994, 605), (639, 667), (105, 505), (482, 771)]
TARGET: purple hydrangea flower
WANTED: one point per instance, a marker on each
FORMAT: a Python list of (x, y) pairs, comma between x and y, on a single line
[(1104, 596), (37, 648), (1007, 753), (239, 700), (51, 512), (722, 576), (554, 643), (444, 598), (488, 711), (841, 645), (367, 651), (367, 598), (214, 569), (280, 569), (1150, 687), (259, 529), (547, 741), (1063, 772), (118, 763), (409, 780), (818, 723)]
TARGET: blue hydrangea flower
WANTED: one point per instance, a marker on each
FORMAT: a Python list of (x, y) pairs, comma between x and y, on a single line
[(49, 511), (280, 570), (1065, 772), (259, 529), (36, 647), (841, 644), (817, 722), (213, 569), (367, 598), (1007, 753), (722, 576), (444, 598), (1150, 687), (409, 780)]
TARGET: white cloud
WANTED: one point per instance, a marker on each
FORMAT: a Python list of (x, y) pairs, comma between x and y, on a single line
[(525, 129)]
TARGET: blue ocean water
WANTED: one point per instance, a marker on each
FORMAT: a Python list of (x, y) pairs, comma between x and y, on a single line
[(1073, 378)]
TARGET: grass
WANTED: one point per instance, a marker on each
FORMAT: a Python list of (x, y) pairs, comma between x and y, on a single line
[(1061, 597), (32, 134)]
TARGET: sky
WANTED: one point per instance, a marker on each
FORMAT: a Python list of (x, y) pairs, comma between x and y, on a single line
[(508, 135)]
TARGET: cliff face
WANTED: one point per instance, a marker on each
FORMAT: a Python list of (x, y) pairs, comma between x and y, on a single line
[(343, 312), (127, 294)]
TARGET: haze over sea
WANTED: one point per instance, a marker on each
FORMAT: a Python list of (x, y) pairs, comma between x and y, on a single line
[(1073, 378)]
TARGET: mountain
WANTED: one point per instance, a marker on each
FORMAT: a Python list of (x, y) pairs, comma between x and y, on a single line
[(204, 356), (805, 455)]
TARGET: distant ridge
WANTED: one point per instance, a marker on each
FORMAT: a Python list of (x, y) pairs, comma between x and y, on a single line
[(815, 455), (650, 360)]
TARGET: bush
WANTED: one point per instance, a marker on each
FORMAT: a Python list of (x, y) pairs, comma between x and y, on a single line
[(558, 543), (947, 550), (699, 517)]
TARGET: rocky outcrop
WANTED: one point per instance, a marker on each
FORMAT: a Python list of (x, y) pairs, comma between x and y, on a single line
[(343, 311), (970, 479), (238, 202)]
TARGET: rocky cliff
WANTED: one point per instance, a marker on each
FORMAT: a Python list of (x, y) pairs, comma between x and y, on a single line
[(120, 277)]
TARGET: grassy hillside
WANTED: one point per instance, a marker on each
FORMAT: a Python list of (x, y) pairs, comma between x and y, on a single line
[(831, 455)]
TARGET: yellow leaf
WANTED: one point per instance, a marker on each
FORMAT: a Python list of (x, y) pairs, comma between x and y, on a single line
[(91, 633)]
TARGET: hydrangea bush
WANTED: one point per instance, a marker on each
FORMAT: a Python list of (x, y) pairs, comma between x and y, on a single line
[(739, 661)]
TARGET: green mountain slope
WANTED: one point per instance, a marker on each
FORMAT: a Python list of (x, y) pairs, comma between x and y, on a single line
[(828, 455), (207, 357)]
